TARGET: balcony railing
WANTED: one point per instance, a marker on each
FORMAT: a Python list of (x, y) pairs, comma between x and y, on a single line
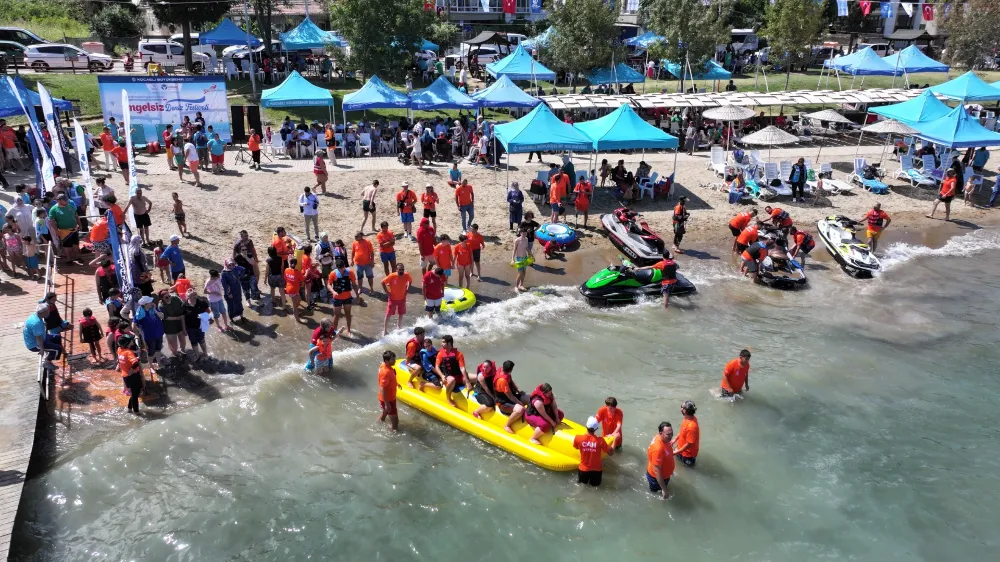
[(476, 6)]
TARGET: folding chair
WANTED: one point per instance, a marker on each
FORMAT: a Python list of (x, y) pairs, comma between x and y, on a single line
[(365, 144), (930, 168), (858, 176), (907, 172), (278, 146)]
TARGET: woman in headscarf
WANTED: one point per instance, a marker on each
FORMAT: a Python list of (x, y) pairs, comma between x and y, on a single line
[(515, 204), (231, 276), (141, 275)]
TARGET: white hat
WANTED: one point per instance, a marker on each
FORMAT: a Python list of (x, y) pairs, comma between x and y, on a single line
[(175, 238), (406, 184), (429, 185), (145, 300), (592, 423)]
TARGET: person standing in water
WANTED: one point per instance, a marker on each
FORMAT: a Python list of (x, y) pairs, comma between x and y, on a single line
[(686, 443), (519, 257), (668, 267), (387, 386), (611, 418), (591, 447), (681, 216), (736, 375), (877, 221), (660, 465)]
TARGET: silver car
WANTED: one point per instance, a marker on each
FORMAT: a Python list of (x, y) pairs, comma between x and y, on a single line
[(60, 55)]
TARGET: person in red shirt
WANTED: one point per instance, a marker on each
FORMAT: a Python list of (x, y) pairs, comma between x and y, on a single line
[(108, 145), (686, 443), (433, 287), (736, 375), (660, 465), (128, 364), (463, 261), (396, 285), (430, 199), (611, 418), (363, 256), (476, 243), (877, 221), (121, 154), (293, 282), (591, 449), (465, 200), (450, 366), (948, 189), (387, 385), (442, 254), (558, 188), (582, 194), (425, 245), (405, 201), (168, 141), (669, 269)]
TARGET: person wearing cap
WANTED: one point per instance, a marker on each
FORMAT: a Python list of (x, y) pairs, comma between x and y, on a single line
[(736, 375), (173, 255), (149, 320), (430, 199), (591, 449), (686, 443), (131, 369), (309, 207), (38, 340), (406, 201), (680, 222), (660, 465)]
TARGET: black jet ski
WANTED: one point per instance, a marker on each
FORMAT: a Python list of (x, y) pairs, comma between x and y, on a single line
[(632, 236), (625, 285), (778, 270)]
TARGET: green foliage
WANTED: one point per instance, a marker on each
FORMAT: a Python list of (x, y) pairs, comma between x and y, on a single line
[(748, 14), (116, 20), (261, 24), (972, 31), (49, 19), (443, 33), (382, 34), (587, 36), (691, 29), (188, 14), (792, 26)]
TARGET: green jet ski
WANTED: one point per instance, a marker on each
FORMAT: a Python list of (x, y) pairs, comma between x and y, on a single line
[(625, 285)]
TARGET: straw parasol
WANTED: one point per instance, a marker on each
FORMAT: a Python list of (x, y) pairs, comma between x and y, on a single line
[(769, 136), (889, 127), (729, 113)]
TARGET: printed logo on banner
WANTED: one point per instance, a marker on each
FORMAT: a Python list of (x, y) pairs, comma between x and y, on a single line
[(123, 261)]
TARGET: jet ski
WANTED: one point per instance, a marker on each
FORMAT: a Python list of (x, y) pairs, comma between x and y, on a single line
[(839, 234), (632, 236), (778, 270), (625, 285)]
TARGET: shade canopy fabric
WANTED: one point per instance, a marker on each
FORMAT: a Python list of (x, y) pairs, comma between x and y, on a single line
[(488, 37), (912, 59), (620, 74), (540, 40), (441, 94), (504, 93), (307, 35), (967, 87), (712, 71), (9, 105), (957, 129), (769, 136), (541, 130), (925, 107), (296, 91), (227, 33), (729, 113), (426, 45), (828, 115), (375, 94), (865, 62), (644, 40), (520, 66), (623, 129), (889, 126)]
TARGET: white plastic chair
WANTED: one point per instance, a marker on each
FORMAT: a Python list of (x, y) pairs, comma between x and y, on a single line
[(718, 161), (930, 168), (231, 71), (278, 146), (646, 185), (907, 172), (772, 173), (365, 144), (321, 142)]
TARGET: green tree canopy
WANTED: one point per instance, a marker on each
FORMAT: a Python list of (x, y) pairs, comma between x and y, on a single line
[(116, 20), (587, 36), (792, 27), (382, 34), (691, 29), (187, 14), (972, 31)]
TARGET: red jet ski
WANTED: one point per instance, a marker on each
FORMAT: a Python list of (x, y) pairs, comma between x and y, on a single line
[(630, 233)]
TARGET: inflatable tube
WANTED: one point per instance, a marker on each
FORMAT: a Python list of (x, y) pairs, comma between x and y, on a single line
[(555, 453), (457, 300), (559, 232), (525, 262)]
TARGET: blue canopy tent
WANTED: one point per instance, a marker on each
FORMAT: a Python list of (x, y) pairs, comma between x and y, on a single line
[(957, 129), (912, 60), (540, 130), (540, 40), (923, 108), (712, 71), (441, 94), (623, 129), (296, 91), (307, 35), (644, 40), (227, 33), (861, 63), (620, 74), (966, 88), (428, 46), (375, 94), (519, 65), (504, 93), (10, 107)]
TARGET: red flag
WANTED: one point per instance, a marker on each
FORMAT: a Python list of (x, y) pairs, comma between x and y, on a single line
[(928, 10), (509, 6), (866, 7), (427, 6)]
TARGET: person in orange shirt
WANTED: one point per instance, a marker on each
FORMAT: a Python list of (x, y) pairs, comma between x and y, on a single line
[(747, 236), (463, 260), (611, 418), (253, 144), (591, 449), (387, 386), (293, 281), (343, 284), (121, 154), (740, 222), (582, 194), (736, 375), (660, 465), (131, 370), (559, 186), (477, 243), (442, 254), (363, 256), (405, 201), (948, 189), (430, 199), (108, 145), (465, 199), (282, 244), (779, 217), (396, 285), (686, 443), (386, 247)]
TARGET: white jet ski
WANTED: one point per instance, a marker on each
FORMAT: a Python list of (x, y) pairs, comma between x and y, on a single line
[(839, 235)]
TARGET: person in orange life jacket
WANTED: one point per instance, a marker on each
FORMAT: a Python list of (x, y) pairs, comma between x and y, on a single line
[(321, 352), (325, 329), (779, 217), (802, 244), (877, 221), (131, 369), (412, 355), (510, 400), (450, 366), (669, 268), (680, 219), (591, 449), (542, 412), (483, 384), (753, 256), (686, 442)]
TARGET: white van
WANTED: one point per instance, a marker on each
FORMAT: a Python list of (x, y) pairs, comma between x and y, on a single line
[(881, 49), (169, 53)]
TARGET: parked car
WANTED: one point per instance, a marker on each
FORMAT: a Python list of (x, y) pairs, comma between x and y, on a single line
[(169, 53), (57, 55), (881, 49), (822, 54), (239, 52), (20, 35), (13, 51)]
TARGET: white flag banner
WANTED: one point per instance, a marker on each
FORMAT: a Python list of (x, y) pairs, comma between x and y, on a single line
[(48, 180), (133, 178), (50, 123), (907, 7), (486, 5), (80, 142), (632, 6)]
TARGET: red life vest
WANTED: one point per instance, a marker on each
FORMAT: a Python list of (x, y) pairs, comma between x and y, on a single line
[(537, 394), (501, 374), (416, 356), (489, 371), (875, 220), (448, 359)]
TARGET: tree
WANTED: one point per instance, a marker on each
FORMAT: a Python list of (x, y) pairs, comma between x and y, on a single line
[(187, 14), (972, 31), (443, 33), (262, 10), (381, 33), (692, 30), (116, 20), (792, 27), (587, 36)]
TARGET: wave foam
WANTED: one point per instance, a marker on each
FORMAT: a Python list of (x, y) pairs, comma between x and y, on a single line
[(966, 245)]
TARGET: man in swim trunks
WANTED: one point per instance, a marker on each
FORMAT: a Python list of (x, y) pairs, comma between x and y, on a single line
[(686, 443), (141, 206), (660, 465), (450, 366), (669, 279), (368, 195), (433, 288), (591, 447), (736, 375), (877, 221), (542, 412), (387, 386), (521, 252), (343, 283), (680, 219)]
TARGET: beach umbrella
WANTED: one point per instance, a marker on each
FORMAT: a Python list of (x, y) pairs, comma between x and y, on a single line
[(826, 115), (729, 113), (889, 127), (769, 136)]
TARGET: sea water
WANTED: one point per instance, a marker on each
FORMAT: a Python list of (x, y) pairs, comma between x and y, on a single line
[(870, 433)]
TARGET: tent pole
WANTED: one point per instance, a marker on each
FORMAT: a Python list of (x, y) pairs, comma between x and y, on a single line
[(253, 77), (861, 136), (673, 176), (332, 152)]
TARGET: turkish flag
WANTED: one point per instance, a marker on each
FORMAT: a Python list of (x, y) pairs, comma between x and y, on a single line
[(509, 6), (866, 7), (928, 10)]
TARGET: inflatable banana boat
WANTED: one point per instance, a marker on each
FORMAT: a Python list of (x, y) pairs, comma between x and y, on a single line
[(555, 453)]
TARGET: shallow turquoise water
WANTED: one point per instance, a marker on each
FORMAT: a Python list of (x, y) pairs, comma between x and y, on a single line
[(870, 433)]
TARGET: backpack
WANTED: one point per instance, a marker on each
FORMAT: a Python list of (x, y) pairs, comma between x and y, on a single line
[(869, 172)]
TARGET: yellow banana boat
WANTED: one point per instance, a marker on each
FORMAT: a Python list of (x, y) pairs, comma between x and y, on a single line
[(555, 453)]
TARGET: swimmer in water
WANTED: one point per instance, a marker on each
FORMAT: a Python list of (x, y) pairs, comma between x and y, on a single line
[(736, 376)]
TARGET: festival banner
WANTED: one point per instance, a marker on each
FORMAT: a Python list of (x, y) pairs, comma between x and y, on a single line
[(80, 143), (866, 7), (123, 261), (162, 100), (38, 163), (886, 10), (842, 8), (50, 123), (133, 178), (928, 11), (48, 180), (536, 6), (907, 7)]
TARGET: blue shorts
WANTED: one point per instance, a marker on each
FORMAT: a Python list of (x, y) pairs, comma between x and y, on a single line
[(447, 273), (218, 308), (387, 256), (654, 486), (31, 262), (406, 217), (365, 270)]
